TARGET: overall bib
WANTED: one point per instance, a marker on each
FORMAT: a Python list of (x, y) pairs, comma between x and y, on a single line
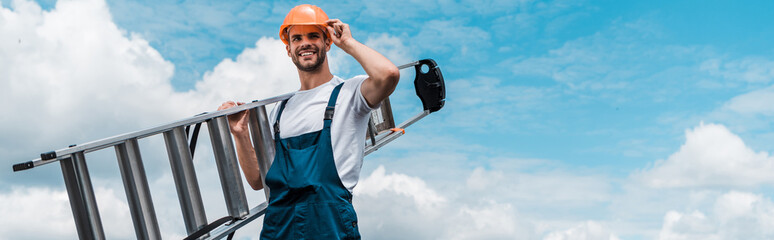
[(307, 199)]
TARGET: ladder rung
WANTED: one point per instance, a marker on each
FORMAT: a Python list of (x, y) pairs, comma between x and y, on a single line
[(186, 184), (81, 194), (137, 191), (228, 167), (263, 142)]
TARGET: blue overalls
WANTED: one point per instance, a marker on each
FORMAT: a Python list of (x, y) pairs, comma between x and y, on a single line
[(307, 199)]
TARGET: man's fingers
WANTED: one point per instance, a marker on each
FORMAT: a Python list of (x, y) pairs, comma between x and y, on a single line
[(336, 26), (332, 29), (226, 105), (333, 32), (332, 21)]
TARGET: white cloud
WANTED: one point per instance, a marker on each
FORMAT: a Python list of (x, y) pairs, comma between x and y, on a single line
[(588, 230), (397, 206), (257, 73), (735, 215), (712, 156), (400, 184), (752, 103), (677, 225), (487, 221), (46, 214), (48, 209), (72, 68), (505, 203)]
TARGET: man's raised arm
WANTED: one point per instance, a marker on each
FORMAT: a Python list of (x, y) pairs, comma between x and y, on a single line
[(383, 75)]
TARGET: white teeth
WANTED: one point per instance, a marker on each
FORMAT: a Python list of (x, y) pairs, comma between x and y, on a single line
[(306, 54)]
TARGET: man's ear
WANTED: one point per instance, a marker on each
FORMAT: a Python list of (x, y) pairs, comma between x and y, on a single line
[(328, 43), (287, 47)]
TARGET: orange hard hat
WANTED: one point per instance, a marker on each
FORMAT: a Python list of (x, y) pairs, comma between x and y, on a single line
[(304, 14)]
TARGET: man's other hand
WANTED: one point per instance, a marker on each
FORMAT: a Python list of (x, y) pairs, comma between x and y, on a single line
[(237, 121)]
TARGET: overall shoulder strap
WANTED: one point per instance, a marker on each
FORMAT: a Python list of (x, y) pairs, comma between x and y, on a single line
[(331, 105), (277, 122)]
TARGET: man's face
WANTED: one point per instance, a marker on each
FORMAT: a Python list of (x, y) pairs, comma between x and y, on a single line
[(307, 47)]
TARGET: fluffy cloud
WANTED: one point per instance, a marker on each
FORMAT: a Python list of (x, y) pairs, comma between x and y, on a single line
[(72, 68), (397, 206), (46, 214), (506, 203), (588, 230), (712, 156), (257, 73), (735, 215), (24, 206), (400, 184)]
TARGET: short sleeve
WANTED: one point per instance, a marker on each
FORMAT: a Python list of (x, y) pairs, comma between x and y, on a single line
[(360, 104)]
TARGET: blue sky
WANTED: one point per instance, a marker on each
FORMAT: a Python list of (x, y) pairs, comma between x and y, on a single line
[(564, 119)]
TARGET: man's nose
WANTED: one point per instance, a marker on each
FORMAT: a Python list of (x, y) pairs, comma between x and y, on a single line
[(305, 42)]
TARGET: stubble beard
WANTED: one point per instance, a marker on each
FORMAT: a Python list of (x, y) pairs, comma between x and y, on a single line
[(313, 67)]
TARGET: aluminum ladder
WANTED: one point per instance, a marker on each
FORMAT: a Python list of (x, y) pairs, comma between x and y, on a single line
[(428, 84)]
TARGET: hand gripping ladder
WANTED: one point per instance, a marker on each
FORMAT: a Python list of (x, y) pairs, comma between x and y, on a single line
[(430, 89)]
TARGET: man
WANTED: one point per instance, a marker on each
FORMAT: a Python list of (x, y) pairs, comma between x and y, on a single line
[(319, 145)]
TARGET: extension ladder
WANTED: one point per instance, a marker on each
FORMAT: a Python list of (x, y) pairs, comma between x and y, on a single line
[(429, 86)]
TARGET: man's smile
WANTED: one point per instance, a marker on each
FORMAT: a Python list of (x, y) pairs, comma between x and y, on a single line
[(307, 53)]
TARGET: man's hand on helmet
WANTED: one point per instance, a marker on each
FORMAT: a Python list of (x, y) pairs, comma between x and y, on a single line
[(340, 33)]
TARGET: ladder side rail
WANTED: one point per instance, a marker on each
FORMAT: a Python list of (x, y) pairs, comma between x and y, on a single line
[(226, 229), (87, 147), (81, 195), (228, 167), (138, 195), (186, 183), (263, 142), (394, 135)]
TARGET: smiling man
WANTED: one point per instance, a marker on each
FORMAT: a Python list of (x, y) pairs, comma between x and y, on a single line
[(318, 133)]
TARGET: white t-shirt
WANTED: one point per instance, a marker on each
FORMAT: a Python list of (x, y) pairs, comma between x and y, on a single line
[(304, 113)]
